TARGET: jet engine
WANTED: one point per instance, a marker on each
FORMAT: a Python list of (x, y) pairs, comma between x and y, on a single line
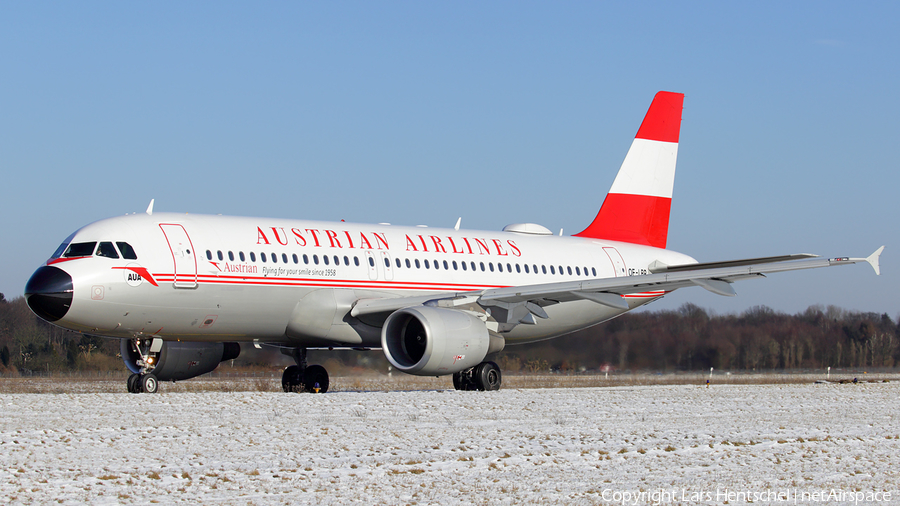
[(433, 341), (175, 361)]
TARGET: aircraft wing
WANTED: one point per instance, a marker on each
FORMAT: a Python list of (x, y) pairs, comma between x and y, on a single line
[(517, 304)]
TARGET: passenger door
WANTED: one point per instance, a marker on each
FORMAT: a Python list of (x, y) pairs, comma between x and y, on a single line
[(182, 255)]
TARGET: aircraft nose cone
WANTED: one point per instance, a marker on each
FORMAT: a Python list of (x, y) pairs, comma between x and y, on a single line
[(49, 293)]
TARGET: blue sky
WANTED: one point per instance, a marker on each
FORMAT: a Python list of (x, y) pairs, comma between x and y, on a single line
[(498, 112)]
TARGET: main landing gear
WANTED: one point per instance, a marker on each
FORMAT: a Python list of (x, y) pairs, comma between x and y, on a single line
[(484, 376), (302, 377)]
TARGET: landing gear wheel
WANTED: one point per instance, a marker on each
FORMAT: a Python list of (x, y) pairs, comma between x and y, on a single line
[(134, 384), (487, 376), (291, 378), (149, 383), (457, 381), (315, 379), (463, 381)]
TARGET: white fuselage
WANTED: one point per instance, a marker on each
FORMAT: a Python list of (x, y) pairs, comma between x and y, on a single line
[(219, 278)]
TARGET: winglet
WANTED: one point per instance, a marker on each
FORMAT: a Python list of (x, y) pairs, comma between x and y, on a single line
[(150, 207), (873, 260)]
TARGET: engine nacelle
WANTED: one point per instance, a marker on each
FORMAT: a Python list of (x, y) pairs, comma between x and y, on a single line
[(433, 341), (177, 361)]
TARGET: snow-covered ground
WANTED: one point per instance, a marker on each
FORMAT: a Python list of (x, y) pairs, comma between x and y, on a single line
[(687, 444)]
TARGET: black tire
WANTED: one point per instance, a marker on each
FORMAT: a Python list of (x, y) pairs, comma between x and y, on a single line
[(291, 378), (315, 379), (458, 381), (134, 384), (488, 376), (149, 383)]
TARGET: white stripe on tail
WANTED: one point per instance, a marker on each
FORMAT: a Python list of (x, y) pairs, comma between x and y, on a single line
[(636, 209)]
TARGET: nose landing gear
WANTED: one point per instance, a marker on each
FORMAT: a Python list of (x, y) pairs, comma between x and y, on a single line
[(147, 351), (143, 383)]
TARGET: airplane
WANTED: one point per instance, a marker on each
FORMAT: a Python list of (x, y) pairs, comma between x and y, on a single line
[(184, 292)]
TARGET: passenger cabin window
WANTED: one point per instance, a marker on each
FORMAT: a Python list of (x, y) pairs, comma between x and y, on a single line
[(80, 249), (127, 251), (106, 249)]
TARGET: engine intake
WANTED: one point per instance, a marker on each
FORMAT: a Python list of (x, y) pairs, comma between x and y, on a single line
[(178, 361), (434, 341)]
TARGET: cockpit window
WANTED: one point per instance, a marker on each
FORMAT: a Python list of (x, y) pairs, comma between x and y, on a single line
[(59, 251), (106, 249), (62, 247), (80, 249), (127, 251)]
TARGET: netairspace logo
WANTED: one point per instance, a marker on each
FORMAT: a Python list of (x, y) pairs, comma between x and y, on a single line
[(661, 496)]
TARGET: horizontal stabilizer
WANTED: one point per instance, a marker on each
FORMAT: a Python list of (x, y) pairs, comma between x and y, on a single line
[(716, 286), (612, 300)]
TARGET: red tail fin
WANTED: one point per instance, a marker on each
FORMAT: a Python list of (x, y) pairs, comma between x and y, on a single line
[(636, 209)]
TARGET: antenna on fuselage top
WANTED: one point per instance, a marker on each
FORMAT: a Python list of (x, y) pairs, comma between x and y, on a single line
[(457, 223), (150, 207)]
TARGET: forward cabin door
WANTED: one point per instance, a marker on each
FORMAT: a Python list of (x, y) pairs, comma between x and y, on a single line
[(182, 254)]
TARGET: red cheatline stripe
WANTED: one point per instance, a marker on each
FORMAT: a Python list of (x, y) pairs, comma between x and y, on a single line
[(260, 281), (663, 119), (61, 260), (337, 283)]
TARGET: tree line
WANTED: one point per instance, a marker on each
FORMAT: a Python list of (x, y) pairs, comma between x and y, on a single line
[(692, 339), (687, 339)]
